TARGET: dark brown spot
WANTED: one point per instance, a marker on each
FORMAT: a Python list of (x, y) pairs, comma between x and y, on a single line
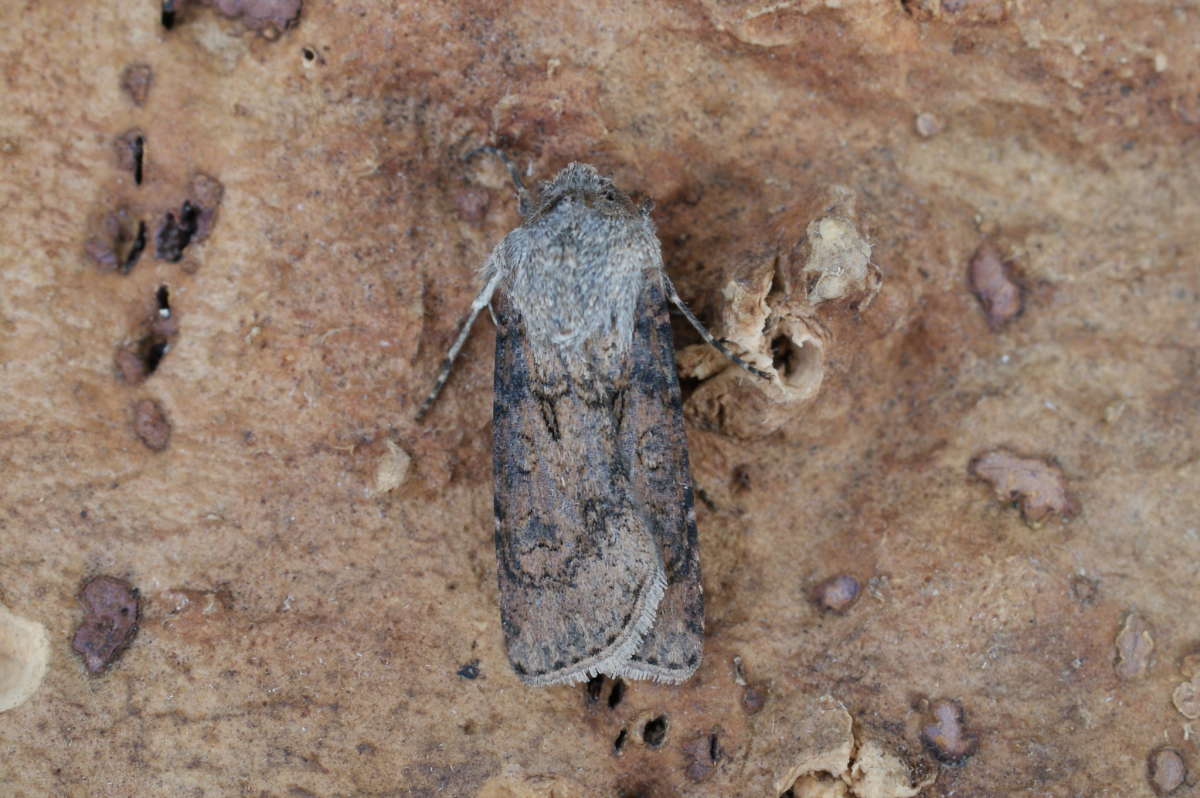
[(1083, 589), (472, 204), (1037, 485), (118, 243), (1165, 770), (136, 80), (836, 594), (151, 425), (754, 698), (268, 17), (619, 743), (111, 611), (701, 755), (741, 478), (919, 10), (205, 193), (947, 738), (995, 286), (470, 670), (1134, 647)]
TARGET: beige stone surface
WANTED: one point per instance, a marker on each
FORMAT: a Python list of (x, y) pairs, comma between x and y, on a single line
[(316, 569)]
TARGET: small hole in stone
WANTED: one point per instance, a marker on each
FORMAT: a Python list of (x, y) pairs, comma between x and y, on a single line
[(781, 354), (135, 251), (309, 54), (687, 387), (714, 748), (616, 694), (173, 235), (163, 297), (151, 350), (655, 731), (139, 151), (168, 14), (595, 686), (619, 743)]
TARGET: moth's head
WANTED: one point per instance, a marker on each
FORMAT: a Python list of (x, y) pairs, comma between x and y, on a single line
[(580, 184)]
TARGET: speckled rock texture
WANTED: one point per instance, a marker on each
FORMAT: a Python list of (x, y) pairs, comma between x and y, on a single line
[(1007, 195)]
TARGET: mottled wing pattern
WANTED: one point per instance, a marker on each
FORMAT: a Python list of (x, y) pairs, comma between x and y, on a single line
[(651, 438), (579, 566)]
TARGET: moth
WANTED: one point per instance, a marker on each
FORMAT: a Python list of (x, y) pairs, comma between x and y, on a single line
[(596, 547)]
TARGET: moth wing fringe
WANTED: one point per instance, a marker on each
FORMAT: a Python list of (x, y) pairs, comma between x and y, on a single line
[(619, 656)]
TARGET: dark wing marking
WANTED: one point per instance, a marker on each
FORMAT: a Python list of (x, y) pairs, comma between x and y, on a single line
[(580, 574), (652, 438)]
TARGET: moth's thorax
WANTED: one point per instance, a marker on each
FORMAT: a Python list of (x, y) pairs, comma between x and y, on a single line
[(575, 269)]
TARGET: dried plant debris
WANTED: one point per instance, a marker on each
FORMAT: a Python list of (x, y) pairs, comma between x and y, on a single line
[(24, 657), (112, 608), (884, 770), (818, 740), (1134, 647), (119, 243), (994, 284), (839, 262), (131, 149), (837, 593), (136, 80), (390, 469), (781, 336), (776, 324), (947, 738), (1038, 486), (830, 756), (1165, 770), (151, 425)]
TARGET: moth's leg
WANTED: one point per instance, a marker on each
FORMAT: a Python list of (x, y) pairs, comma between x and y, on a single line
[(481, 301), (523, 202), (673, 296)]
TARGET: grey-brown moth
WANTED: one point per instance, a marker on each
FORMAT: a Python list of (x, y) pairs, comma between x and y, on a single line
[(596, 548)]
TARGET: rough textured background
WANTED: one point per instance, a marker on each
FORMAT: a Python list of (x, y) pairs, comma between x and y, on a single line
[(307, 631)]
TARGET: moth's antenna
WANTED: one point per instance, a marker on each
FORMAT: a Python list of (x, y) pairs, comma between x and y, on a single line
[(523, 202)]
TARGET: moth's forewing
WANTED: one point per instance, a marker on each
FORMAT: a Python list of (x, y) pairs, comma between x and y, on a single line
[(653, 444), (580, 576)]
